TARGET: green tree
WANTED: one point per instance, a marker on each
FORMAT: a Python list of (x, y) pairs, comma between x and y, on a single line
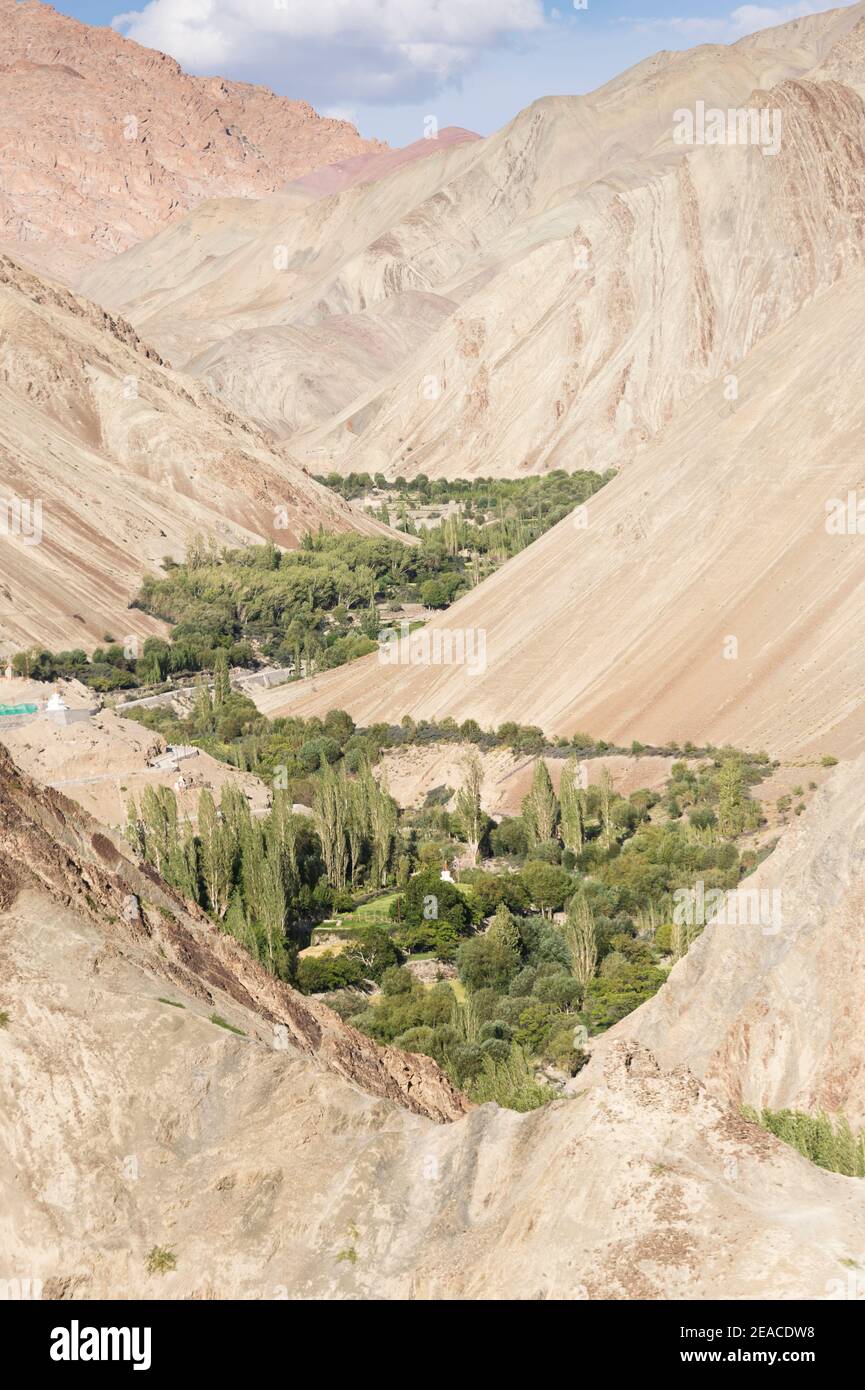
[(582, 941), (217, 855), (202, 714), (183, 871), (285, 829), (330, 810), (731, 798), (428, 899), (573, 806), (383, 822), (265, 901), (159, 824), (134, 830), (374, 949), (547, 885), (486, 962), (221, 679), (503, 930), (605, 798), (358, 820), (468, 803), (540, 807)]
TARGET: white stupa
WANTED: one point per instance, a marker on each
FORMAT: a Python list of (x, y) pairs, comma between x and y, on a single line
[(56, 709)]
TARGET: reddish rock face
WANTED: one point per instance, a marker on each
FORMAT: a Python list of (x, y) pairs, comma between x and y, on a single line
[(102, 142)]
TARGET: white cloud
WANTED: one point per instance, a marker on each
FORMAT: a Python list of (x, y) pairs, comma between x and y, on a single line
[(337, 51), (746, 19)]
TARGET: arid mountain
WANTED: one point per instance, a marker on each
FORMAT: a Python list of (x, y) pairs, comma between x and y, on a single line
[(369, 168), (103, 142), (109, 462), (293, 1158), (549, 297), (705, 593)]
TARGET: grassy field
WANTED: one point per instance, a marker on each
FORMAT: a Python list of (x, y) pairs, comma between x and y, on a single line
[(371, 914)]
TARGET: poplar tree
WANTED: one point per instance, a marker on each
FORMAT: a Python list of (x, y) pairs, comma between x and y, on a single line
[(221, 679), (384, 819), (235, 814), (731, 798), (134, 829), (605, 789), (265, 901), (503, 930), (203, 709), (582, 941), (181, 870), (329, 810), (573, 807), (159, 820), (468, 803), (357, 821), (285, 827), (216, 855), (540, 808)]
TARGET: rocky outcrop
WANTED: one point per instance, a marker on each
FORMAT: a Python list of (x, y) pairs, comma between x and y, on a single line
[(103, 142)]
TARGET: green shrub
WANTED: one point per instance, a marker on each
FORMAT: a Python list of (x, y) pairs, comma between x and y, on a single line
[(418, 1039), (487, 963), (534, 1026), (509, 1082), (223, 1023), (160, 1260), (828, 1142), (559, 989), (318, 974)]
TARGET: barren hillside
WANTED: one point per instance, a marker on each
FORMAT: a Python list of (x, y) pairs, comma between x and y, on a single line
[(718, 531), (123, 461), (102, 142), (260, 1158), (549, 297)]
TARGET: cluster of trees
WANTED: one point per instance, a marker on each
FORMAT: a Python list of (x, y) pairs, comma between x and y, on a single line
[(258, 878), (369, 954), (357, 822), (264, 879), (117, 667), (534, 991), (577, 906), (494, 518), (579, 929), (484, 493), (716, 795), (317, 607), (312, 608), (236, 733), (107, 669), (828, 1142)]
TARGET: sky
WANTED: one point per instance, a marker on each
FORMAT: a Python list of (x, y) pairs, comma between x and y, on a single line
[(389, 65)]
